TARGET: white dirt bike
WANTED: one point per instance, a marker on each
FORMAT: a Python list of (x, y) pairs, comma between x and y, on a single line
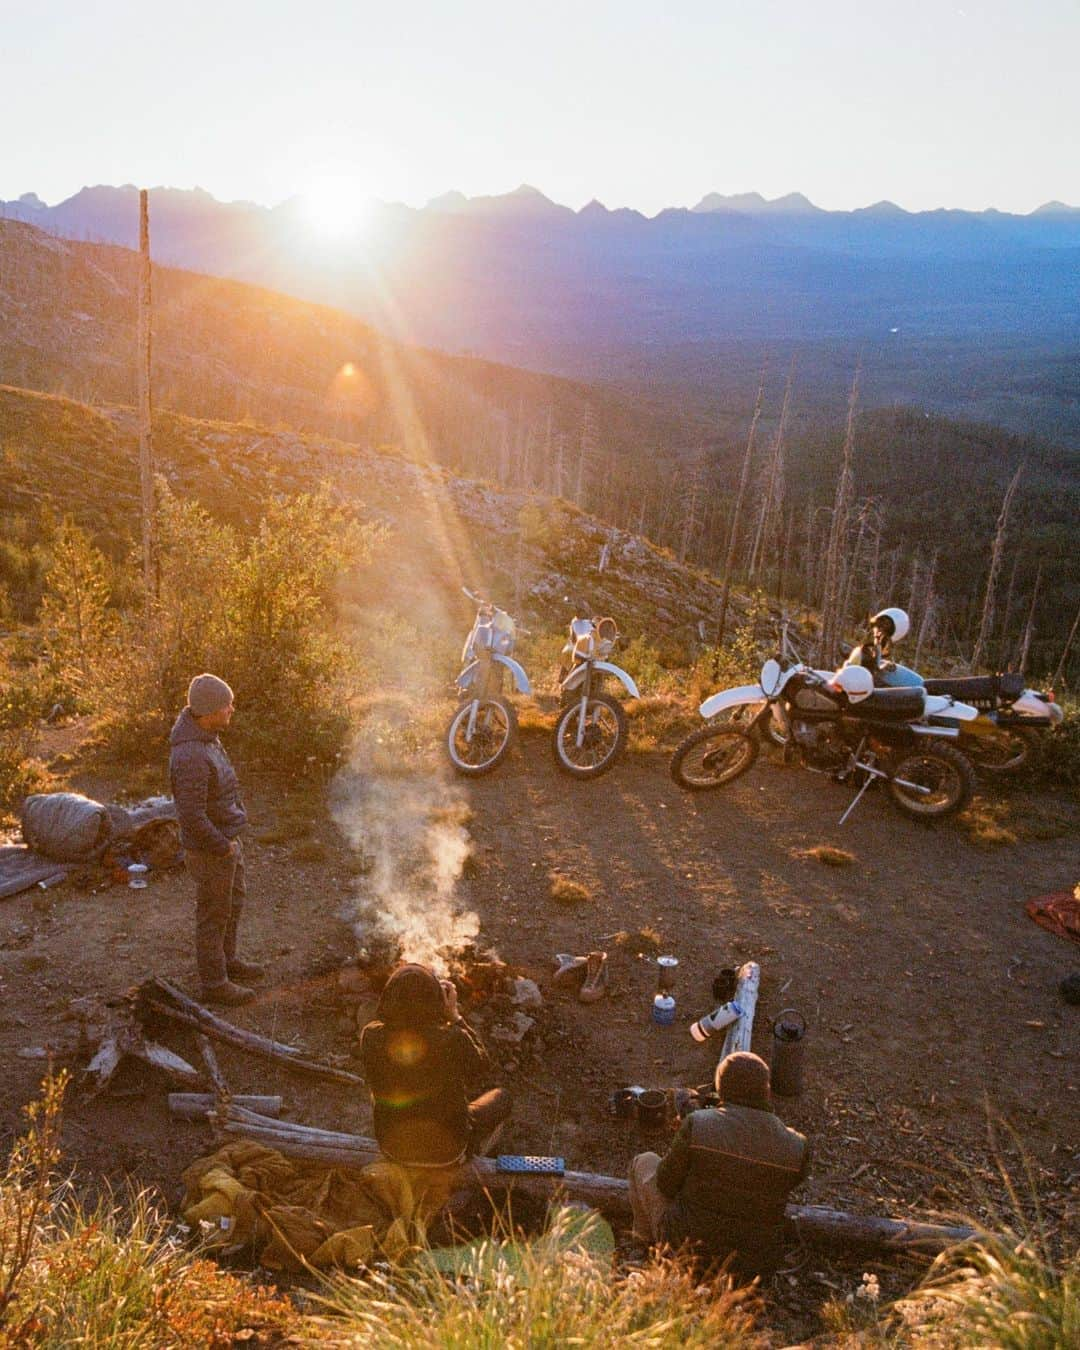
[(840, 725), (592, 727), (483, 729)]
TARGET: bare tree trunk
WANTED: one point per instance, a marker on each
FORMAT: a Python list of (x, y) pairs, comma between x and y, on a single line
[(146, 444), (733, 533), (830, 603), (1062, 665), (772, 481), (996, 554), (1003, 640), (690, 519), (1029, 627)]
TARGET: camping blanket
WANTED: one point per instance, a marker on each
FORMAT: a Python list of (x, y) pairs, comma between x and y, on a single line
[(297, 1214), (1060, 913)]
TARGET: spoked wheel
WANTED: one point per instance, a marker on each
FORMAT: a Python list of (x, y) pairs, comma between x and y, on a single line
[(602, 737), (712, 756), (1007, 751), (477, 744), (946, 775)]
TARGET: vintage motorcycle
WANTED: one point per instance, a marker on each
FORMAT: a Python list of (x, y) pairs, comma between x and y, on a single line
[(842, 726), (483, 729), (591, 731), (1011, 717)]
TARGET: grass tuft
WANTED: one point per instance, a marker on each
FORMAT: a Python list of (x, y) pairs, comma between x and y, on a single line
[(567, 891), (827, 854)]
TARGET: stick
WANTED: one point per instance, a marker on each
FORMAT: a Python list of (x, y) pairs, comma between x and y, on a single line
[(815, 1224), (746, 993), (191, 1014), (214, 1069), (198, 1105)]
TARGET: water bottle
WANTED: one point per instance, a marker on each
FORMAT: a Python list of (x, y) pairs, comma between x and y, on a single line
[(715, 1021), (663, 1010)]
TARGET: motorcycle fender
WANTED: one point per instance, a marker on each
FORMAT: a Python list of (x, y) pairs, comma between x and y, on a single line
[(1030, 705), (578, 674), (521, 680), (933, 731), (731, 698), (468, 675), (941, 705)]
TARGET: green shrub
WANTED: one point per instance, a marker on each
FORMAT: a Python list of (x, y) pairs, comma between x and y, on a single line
[(1058, 756), (258, 611)]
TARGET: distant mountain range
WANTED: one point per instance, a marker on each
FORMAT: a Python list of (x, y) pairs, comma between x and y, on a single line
[(976, 313)]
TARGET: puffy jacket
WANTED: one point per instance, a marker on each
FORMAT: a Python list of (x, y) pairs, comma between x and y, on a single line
[(728, 1175), (204, 787)]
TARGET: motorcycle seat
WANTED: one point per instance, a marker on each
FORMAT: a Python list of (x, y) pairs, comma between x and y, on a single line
[(980, 688), (891, 705)]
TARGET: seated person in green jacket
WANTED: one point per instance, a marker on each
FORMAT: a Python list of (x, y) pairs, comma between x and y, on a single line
[(724, 1183), (422, 1061)]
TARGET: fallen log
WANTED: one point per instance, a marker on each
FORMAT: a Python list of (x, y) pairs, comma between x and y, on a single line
[(746, 995), (198, 1105), (160, 997), (815, 1224)]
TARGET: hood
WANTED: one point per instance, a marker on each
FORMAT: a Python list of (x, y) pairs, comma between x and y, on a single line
[(185, 728), (413, 997)]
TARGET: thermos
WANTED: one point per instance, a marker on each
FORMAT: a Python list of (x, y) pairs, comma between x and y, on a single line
[(788, 1052)]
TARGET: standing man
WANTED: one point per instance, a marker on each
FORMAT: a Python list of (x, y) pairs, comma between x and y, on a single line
[(211, 813), (724, 1183)]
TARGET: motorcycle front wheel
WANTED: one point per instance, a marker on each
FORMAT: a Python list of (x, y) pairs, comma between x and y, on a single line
[(1007, 751), (712, 756), (943, 771), (488, 743), (602, 741)]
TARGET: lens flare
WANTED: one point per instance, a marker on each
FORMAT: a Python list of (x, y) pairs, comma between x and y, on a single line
[(337, 207)]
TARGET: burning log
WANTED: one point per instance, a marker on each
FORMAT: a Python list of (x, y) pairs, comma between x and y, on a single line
[(814, 1224), (162, 998)]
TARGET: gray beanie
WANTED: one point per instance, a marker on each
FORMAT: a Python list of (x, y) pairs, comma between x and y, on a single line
[(207, 694), (743, 1080)]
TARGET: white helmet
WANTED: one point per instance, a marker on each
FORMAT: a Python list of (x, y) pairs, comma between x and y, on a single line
[(855, 681), (897, 618)]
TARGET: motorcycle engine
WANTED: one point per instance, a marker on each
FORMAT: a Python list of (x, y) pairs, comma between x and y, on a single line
[(820, 743)]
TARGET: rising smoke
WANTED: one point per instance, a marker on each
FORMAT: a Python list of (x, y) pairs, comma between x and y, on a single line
[(410, 834)]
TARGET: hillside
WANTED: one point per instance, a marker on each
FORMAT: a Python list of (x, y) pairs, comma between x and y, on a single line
[(661, 468), (969, 313)]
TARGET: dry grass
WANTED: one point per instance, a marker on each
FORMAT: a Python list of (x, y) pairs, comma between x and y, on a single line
[(567, 891), (827, 854), (641, 942), (658, 722), (1003, 821)]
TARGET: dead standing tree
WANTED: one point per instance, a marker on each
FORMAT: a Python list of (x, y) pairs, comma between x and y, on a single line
[(831, 618), (987, 621), (773, 494), (146, 445), (733, 532)]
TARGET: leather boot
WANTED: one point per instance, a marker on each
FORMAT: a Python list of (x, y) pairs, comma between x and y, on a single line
[(228, 995), (244, 971), (569, 970), (594, 985)]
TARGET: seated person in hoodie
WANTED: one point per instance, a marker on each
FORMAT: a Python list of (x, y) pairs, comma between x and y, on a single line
[(724, 1183), (422, 1062)]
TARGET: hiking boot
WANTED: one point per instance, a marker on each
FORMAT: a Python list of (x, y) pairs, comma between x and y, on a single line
[(228, 995), (594, 985), (569, 970), (243, 972)]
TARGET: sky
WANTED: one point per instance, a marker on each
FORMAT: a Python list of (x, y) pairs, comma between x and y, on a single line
[(636, 103)]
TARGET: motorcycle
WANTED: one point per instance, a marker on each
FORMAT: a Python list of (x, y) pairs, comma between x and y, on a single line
[(842, 726), (591, 730), (1004, 736), (483, 729)]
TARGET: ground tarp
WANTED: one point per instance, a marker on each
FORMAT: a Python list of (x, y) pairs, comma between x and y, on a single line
[(1060, 913)]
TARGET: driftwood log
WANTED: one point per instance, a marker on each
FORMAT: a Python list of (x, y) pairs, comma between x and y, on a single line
[(198, 1105), (110, 1033), (739, 1033), (814, 1224), (160, 997)]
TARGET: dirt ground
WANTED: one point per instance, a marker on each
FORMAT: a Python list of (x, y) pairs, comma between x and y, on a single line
[(931, 998)]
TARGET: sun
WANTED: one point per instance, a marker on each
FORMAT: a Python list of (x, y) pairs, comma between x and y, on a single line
[(337, 206)]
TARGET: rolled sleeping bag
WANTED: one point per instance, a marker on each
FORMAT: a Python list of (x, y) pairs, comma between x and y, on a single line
[(66, 826)]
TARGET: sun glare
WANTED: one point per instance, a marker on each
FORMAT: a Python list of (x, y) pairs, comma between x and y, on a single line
[(337, 206)]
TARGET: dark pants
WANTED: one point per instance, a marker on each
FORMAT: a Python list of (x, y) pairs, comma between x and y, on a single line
[(219, 898), (486, 1114)]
